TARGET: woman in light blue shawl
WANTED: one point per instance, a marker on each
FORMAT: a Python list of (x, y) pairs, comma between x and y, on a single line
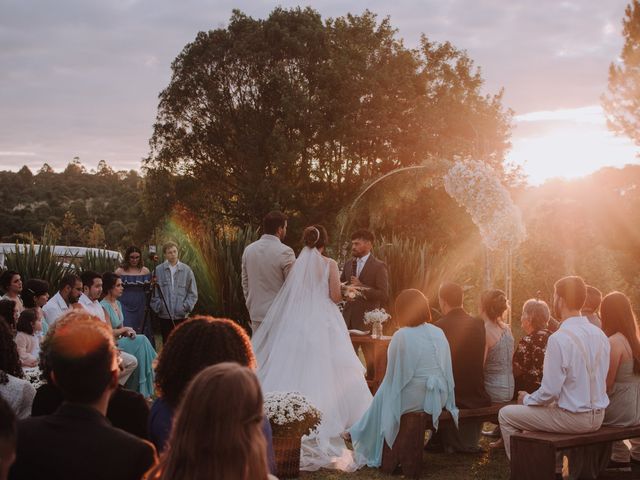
[(419, 377)]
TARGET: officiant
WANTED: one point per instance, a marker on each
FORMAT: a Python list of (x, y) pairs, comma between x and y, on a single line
[(367, 273)]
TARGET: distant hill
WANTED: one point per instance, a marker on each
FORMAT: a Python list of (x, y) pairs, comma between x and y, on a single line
[(75, 207)]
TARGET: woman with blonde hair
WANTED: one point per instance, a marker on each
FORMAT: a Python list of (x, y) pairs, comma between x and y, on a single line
[(212, 437)]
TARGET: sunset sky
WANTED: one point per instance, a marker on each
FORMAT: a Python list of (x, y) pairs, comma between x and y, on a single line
[(81, 78)]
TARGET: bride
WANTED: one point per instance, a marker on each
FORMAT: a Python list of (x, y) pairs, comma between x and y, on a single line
[(303, 346)]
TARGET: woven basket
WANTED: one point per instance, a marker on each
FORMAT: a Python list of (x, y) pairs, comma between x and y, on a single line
[(287, 452)]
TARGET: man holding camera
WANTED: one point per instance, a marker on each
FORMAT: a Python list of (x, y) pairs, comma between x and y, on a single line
[(178, 292)]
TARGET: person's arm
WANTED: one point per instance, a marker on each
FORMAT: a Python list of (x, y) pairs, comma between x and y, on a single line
[(334, 282), (26, 358), (554, 374), (245, 277), (379, 291), (192, 292), (288, 259), (614, 362)]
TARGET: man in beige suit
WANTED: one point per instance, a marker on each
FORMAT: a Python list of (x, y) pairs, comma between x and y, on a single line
[(265, 265)]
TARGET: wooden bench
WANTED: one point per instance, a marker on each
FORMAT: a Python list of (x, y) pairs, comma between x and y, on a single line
[(533, 454), (408, 448)]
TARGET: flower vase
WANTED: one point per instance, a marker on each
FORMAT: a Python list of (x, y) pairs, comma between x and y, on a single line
[(287, 453), (376, 330)]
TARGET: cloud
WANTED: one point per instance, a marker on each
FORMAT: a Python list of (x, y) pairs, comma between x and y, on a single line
[(81, 76)]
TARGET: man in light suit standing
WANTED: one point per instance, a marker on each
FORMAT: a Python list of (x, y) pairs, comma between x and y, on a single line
[(265, 266)]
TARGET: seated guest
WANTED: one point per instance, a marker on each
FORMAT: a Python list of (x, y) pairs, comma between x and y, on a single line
[(193, 345), (529, 355), (11, 284), (127, 410), (16, 391), (7, 439), (68, 294), (27, 338), (498, 370), (573, 393), (419, 378), (90, 301), (35, 294), (77, 441), (592, 305), (141, 379), (9, 313), (213, 437), (623, 380), (467, 338)]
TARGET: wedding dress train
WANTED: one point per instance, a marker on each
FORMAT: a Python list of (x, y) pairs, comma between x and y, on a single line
[(303, 346)]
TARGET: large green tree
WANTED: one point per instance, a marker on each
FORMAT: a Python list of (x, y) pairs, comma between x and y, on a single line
[(296, 112), (622, 101)]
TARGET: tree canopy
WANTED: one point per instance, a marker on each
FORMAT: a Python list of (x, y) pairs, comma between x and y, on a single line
[(299, 113), (622, 101)]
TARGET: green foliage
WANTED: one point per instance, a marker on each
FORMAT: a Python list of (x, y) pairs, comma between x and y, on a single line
[(622, 103), (215, 256), (296, 112), (39, 262), (74, 207), (99, 262)]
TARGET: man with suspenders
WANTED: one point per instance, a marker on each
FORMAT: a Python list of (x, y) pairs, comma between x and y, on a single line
[(573, 394)]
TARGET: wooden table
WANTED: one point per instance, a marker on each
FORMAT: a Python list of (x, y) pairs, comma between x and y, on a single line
[(375, 355)]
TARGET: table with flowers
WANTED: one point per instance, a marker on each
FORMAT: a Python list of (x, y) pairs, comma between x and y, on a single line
[(375, 354)]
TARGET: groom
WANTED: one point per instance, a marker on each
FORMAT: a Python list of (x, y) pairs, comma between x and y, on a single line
[(265, 266), (367, 272)]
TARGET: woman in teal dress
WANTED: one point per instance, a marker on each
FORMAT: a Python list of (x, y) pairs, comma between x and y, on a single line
[(419, 378), (137, 345)]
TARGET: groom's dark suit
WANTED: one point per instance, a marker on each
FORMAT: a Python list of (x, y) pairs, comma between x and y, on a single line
[(375, 295)]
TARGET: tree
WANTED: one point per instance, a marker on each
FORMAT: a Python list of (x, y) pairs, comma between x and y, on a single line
[(104, 169), (300, 113), (45, 169), (95, 236), (622, 103), (71, 231)]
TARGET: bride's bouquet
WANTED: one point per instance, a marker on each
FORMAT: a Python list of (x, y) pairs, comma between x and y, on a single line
[(350, 292), (291, 414)]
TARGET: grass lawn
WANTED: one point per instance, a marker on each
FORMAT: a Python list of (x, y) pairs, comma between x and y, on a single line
[(490, 465)]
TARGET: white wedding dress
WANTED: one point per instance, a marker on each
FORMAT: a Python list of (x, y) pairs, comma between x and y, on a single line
[(303, 346)]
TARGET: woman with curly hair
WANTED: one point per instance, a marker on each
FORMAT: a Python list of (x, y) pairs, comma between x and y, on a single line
[(14, 389), (9, 313), (197, 343), (212, 437)]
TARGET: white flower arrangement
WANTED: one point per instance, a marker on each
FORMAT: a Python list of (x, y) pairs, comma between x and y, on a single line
[(475, 186), (291, 413), (34, 376), (379, 315)]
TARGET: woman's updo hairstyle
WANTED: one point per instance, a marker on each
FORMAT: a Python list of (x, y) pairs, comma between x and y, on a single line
[(494, 303), (315, 236)]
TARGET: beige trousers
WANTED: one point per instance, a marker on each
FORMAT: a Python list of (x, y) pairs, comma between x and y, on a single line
[(518, 418), (129, 365), (620, 452)]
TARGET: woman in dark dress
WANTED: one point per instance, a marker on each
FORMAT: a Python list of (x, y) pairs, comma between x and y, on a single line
[(136, 279)]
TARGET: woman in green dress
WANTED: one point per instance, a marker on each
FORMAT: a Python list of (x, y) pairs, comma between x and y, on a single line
[(137, 345)]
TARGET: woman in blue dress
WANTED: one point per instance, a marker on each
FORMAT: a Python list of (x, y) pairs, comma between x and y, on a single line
[(136, 279), (137, 345), (419, 378)]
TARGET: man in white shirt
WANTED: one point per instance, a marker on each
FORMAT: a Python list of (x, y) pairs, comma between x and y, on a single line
[(265, 266), (91, 293), (573, 395), (69, 292)]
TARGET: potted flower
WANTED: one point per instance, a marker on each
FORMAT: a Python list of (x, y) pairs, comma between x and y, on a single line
[(291, 416), (376, 318)]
